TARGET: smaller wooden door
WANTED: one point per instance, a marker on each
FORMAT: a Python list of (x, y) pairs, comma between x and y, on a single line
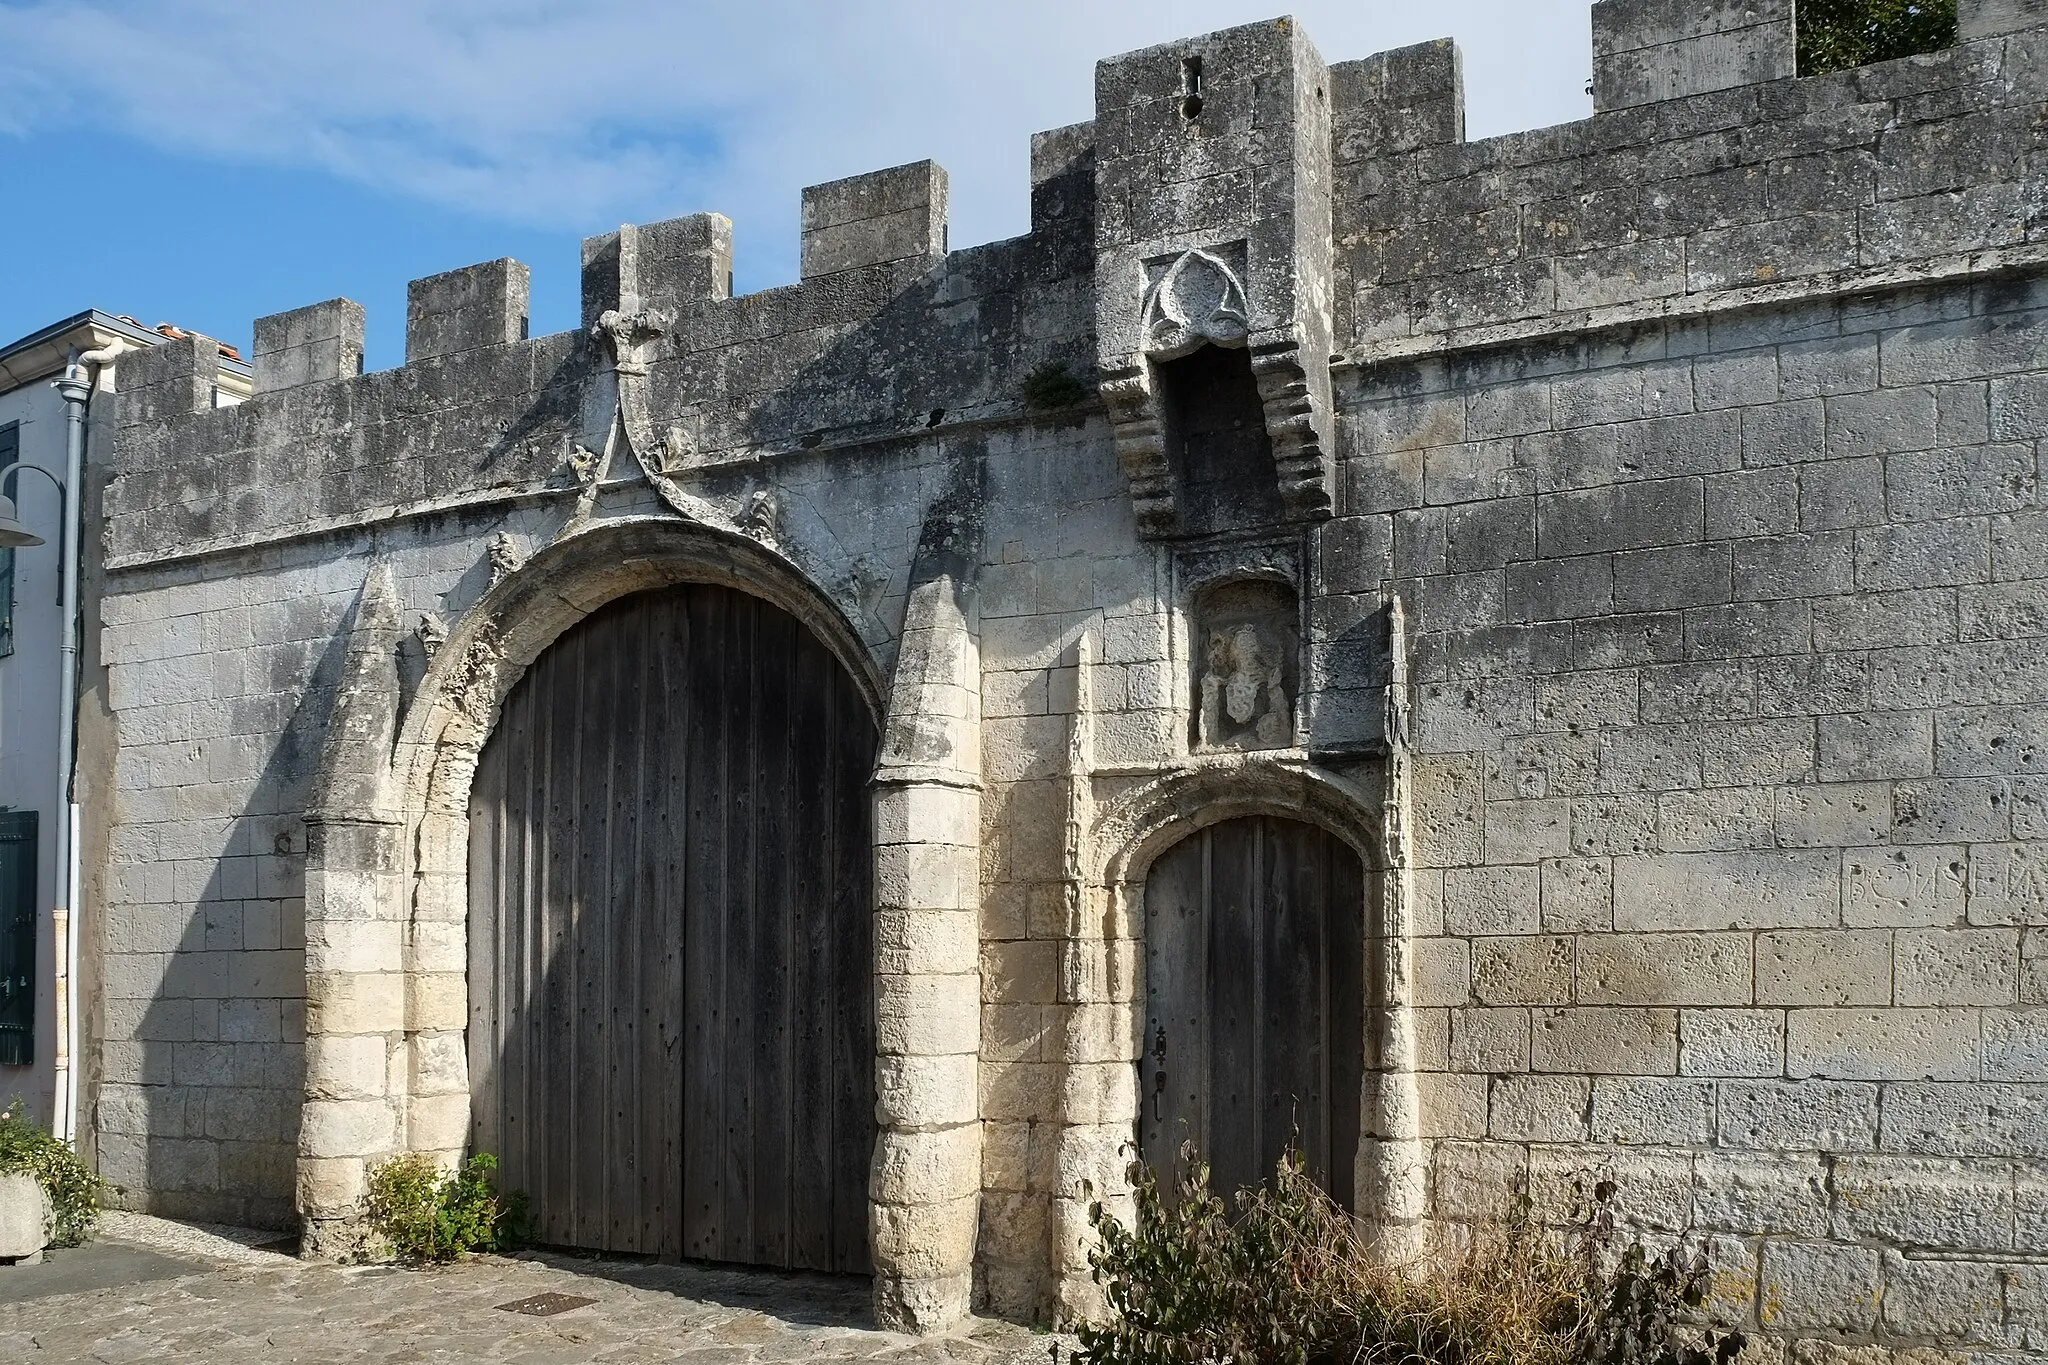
[(1255, 1003)]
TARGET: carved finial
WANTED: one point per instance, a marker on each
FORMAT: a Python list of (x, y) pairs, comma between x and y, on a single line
[(506, 557), (760, 517), (432, 635), (625, 333), (1397, 672)]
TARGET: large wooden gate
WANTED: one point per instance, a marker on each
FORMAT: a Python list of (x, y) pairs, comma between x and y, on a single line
[(1255, 1002), (671, 1027)]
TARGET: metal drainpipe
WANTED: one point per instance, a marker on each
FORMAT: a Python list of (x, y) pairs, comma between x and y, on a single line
[(76, 391)]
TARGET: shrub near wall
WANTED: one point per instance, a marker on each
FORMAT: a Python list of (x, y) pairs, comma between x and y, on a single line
[(1286, 1278), (1835, 35)]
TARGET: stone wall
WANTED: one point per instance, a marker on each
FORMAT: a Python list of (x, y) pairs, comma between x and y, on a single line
[(1653, 500), (1729, 679)]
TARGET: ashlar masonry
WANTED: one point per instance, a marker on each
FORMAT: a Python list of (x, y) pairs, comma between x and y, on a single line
[(1501, 661)]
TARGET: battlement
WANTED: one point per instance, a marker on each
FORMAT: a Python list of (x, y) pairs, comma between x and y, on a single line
[(1708, 177)]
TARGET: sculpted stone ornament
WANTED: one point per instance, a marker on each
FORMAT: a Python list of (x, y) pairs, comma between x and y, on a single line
[(585, 466), (673, 450), (432, 635), (506, 557), (474, 681), (1244, 701), (1246, 633), (625, 334), (1198, 300), (761, 515), (588, 468), (630, 337)]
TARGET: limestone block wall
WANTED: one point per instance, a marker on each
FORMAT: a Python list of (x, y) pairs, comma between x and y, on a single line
[(222, 686), (1696, 444), (1729, 672), (1077, 677), (1696, 441)]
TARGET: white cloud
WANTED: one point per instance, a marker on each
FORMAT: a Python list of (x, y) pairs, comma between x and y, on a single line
[(579, 116)]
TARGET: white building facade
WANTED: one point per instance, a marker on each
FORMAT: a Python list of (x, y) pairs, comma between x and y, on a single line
[(34, 884)]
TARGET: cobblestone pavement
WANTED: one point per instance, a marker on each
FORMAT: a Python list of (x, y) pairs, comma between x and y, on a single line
[(239, 1304)]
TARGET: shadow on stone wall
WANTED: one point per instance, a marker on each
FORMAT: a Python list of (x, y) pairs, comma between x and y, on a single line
[(220, 1049)]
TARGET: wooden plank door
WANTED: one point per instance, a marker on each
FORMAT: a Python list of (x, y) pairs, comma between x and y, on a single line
[(1255, 1003), (671, 1023)]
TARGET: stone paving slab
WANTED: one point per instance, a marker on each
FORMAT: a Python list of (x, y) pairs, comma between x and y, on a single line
[(264, 1307), (99, 1264)]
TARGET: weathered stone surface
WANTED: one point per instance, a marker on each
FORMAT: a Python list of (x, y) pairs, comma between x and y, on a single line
[(228, 1300), (24, 1216), (1695, 440)]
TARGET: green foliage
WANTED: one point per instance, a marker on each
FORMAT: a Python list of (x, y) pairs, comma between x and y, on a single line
[(1052, 387), (425, 1214), (1285, 1278), (1835, 35), (72, 1187)]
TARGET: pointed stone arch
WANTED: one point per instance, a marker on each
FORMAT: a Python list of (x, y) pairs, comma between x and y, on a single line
[(387, 887), (1105, 961)]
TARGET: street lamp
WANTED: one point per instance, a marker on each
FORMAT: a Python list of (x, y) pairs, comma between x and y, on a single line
[(14, 535)]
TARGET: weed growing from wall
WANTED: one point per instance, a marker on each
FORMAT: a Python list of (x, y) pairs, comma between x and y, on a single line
[(1052, 387)]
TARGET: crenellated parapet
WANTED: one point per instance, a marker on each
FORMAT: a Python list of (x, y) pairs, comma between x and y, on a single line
[(1711, 178), (1232, 194), (481, 412)]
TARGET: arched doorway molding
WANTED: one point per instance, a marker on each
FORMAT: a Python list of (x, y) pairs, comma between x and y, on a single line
[(387, 900), (1144, 822), (1103, 962), (490, 647)]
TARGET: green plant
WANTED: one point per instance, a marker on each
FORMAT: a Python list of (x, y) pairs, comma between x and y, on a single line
[(1835, 35), (1052, 387), (426, 1214), (1286, 1278), (71, 1186)]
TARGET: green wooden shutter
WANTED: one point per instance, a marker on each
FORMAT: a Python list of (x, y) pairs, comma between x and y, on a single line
[(10, 451), (18, 848)]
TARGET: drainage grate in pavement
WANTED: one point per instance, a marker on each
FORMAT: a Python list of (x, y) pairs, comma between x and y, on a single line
[(545, 1305)]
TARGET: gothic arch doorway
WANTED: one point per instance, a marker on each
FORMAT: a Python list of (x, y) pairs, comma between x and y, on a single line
[(1255, 947), (671, 1016)]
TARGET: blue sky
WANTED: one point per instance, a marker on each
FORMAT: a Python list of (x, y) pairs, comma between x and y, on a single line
[(209, 161)]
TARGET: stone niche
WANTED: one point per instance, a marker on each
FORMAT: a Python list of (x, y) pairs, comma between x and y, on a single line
[(1246, 659), (1219, 454)]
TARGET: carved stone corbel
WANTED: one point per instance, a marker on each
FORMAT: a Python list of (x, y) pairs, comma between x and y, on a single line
[(1141, 448), (1300, 463)]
